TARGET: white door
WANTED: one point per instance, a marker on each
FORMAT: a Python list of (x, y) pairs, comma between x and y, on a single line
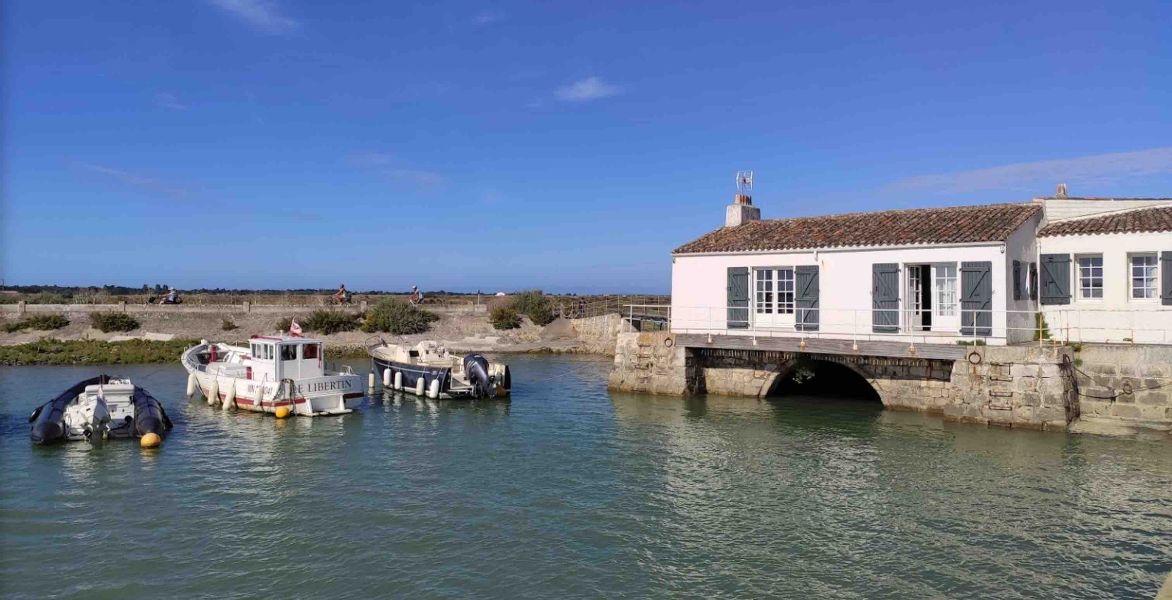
[(773, 297), (945, 309)]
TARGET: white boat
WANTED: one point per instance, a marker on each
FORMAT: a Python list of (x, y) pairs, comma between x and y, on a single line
[(429, 369), (282, 375)]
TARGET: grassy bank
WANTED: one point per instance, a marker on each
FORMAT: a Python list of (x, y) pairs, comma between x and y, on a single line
[(93, 352), (96, 352)]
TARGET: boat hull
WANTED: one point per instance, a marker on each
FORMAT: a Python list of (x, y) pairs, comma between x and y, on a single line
[(329, 395), (411, 374)]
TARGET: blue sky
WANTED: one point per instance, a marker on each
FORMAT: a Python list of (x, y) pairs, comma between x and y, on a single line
[(565, 146)]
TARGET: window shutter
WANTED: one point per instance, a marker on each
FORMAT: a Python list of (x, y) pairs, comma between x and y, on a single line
[(976, 300), (806, 284), (1017, 280), (1055, 274), (885, 298), (738, 298), (1166, 278)]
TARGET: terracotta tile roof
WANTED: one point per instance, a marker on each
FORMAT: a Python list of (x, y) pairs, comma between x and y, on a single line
[(950, 225), (1132, 221)]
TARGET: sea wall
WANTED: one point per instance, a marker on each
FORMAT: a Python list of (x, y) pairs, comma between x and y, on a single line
[(1125, 383)]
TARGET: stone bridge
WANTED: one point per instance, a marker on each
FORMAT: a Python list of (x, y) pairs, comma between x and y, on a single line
[(1020, 386)]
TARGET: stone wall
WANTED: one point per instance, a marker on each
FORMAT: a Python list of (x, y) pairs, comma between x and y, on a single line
[(1127, 383), (1015, 386), (650, 362), (598, 335)]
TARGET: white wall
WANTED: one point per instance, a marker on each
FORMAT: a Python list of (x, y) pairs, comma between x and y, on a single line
[(1062, 209), (1021, 246), (699, 294), (1116, 317)]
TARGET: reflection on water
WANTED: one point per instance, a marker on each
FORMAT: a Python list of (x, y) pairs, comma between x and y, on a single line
[(567, 490)]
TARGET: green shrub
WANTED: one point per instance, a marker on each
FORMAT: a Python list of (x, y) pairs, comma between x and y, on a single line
[(113, 321), (329, 321), (39, 322), (398, 317), (504, 317), (283, 324), (227, 325), (535, 305)]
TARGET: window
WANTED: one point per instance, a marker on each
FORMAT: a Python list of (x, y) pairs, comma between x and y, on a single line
[(310, 351), (946, 290), (288, 352), (254, 350), (1090, 277), (764, 292), (1144, 277), (775, 291)]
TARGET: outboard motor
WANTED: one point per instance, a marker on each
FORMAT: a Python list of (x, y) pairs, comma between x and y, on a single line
[(476, 369)]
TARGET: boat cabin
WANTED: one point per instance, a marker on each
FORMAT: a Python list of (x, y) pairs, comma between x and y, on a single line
[(275, 358)]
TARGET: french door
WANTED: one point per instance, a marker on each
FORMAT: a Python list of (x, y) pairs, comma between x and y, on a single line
[(773, 297)]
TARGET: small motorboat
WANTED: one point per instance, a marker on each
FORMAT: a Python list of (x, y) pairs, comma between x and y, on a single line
[(99, 408), (283, 375), (429, 369)]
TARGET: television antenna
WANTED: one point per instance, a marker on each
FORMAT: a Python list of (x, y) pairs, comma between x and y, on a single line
[(745, 183)]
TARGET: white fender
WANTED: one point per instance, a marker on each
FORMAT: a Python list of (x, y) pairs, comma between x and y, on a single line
[(370, 380), (386, 378), (230, 396), (191, 385), (398, 380), (433, 389), (419, 386), (214, 391)]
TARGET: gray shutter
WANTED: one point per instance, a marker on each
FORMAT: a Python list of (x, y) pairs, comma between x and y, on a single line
[(1055, 274), (885, 298), (976, 298), (738, 297), (1017, 286), (806, 282), (1166, 278)]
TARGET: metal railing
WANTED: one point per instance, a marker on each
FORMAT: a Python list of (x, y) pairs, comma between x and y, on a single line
[(1068, 324)]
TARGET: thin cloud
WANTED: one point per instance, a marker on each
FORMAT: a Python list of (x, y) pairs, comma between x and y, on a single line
[(585, 90), (1098, 169), (169, 100), (140, 182), (487, 18), (391, 167), (263, 15)]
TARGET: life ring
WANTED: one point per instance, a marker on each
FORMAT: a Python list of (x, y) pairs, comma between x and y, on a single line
[(668, 342), (975, 357)]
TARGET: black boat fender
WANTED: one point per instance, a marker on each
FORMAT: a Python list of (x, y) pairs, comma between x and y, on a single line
[(476, 369), (149, 416)]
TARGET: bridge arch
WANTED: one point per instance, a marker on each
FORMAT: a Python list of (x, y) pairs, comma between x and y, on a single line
[(830, 375)]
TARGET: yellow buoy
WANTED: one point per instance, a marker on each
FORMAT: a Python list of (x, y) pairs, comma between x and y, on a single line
[(150, 440), (281, 412)]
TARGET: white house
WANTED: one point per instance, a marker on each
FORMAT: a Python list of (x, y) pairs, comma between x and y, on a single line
[(1086, 269), (1106, 269), (922, 275)]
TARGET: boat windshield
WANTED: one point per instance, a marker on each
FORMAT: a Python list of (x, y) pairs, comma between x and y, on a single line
[(288, 352)]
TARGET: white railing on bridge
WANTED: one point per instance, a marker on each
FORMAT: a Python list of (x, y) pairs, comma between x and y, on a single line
[(1145, 325)]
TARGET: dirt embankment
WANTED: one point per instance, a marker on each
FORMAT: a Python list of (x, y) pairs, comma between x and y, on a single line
[(458, 329)]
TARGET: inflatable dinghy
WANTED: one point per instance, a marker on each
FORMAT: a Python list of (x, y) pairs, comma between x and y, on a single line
[(100, 407)]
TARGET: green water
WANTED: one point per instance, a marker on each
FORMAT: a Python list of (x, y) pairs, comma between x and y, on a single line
[(568, 491)]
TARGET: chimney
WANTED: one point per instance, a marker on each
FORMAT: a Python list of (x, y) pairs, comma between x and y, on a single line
[(1061, 193), (742, 211)]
